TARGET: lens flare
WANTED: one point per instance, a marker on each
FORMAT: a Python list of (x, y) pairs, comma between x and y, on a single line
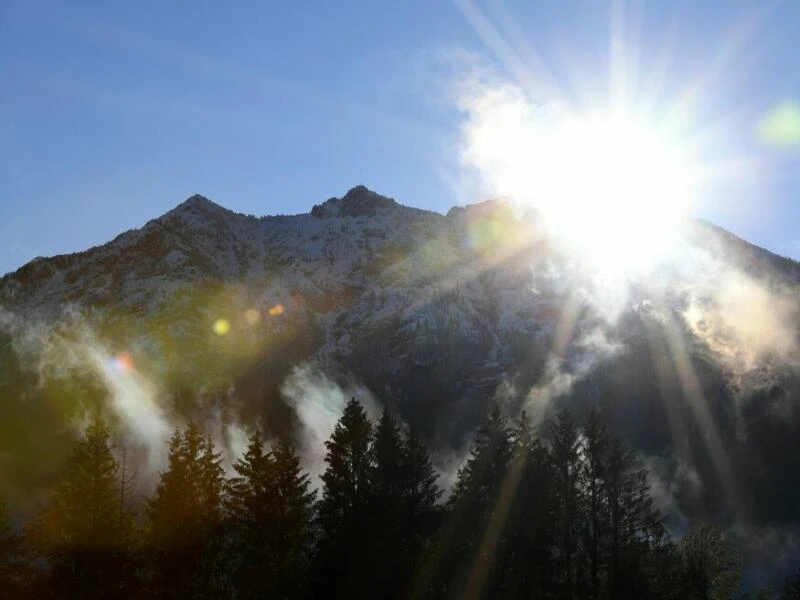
[(252, 316), (122, 362), (221, 327), (781, 125), (276, 310)]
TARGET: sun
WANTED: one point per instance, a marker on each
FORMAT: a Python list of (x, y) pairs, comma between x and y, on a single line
[(612, 186), (615, 189)]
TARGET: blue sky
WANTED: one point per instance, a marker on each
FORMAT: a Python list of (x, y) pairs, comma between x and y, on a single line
[(112, 113)]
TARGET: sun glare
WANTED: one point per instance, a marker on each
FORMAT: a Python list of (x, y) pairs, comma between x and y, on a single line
[(611, 187), (615, 189)]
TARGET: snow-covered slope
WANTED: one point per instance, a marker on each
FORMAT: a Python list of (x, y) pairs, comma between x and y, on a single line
[(354, 265), (388, 289)]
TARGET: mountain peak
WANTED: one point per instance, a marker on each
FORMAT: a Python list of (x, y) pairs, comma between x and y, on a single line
[(195, 206), (198, 202), (358, 201)]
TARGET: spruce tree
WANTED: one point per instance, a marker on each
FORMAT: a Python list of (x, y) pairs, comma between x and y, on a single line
[(293, 532), (387, 457), (78, 532), (529, 527), (565, 456), (474, 544), (249, 506), (185, 517), (421, 492), (346, 495), (386, 509), (403, 510), (595, 453), (634, 526), (270, 509)]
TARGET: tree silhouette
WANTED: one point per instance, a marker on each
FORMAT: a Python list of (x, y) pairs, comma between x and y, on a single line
[(293, 534), (343, 546), (403, 512), (595, 449), (567, 516), (270, 511), (565, 454), (78, 532), (420, 492), (249, 508), (478, 510), (185, 515), (530, 523), (386, 510)]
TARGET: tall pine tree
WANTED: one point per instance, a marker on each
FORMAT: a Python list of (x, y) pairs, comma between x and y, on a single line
[(403, 510), (185, 515), (595, 455), (293, 532), (386, 508), (421, 493), (270, 510), (565, 456), (474, 542), (343, 548), (79, 532), (530, 524)]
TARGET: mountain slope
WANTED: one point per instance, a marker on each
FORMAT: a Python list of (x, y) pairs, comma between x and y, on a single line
[(436, 315)]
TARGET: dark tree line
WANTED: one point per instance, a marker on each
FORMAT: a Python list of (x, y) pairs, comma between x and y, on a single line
[(566, 516)]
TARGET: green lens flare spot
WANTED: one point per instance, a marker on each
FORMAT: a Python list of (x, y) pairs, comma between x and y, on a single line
[(781, 125)]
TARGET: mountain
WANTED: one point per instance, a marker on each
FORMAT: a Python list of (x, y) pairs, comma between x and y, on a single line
[(436, 315)]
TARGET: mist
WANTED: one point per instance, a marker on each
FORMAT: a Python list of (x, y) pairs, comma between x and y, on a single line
[(318, 402), (67, 348)]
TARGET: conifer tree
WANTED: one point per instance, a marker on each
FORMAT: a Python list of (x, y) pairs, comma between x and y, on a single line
[(530, 520), (421, 492), (403, 509), (270, 511), (387, 457), (347, 491), (478, 511), (78, 532), (634, 525), (386, 507), (249, 508), (185, 516), (565, 455), (293, 532), (595, 449)]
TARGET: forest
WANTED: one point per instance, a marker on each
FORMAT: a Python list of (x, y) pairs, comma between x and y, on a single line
[(568, 514)]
